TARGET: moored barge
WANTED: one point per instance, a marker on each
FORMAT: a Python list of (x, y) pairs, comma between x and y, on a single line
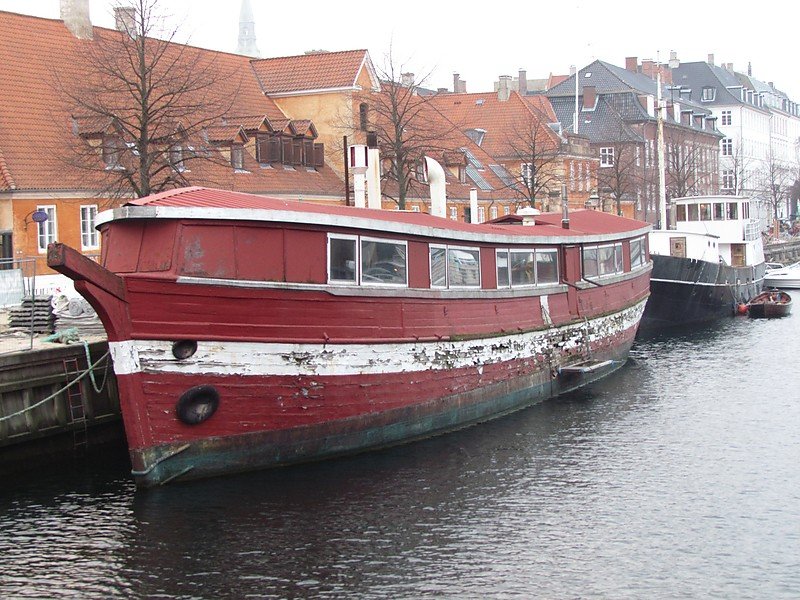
[(250, 332)]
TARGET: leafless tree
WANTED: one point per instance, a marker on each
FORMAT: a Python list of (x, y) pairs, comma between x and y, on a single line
[(141, 104), (407, 126), (620, 173), (686, 171), (776, 179), (537, 150)]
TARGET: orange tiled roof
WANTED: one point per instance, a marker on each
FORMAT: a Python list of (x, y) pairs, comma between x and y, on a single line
[(226, 133), (502, 121), (317, 71), (36, 122)]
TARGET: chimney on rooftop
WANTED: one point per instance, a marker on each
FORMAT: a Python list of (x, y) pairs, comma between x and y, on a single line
[(75, 14), (504, 88), (407, 79), (523, 83), (749, 69), (674, 63), (711, 59), (632, 64), (125, 19)]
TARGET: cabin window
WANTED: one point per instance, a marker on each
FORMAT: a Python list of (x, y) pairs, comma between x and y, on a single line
[(532, 267), (502, 269), (546, 266), (438, 266), (599, 261), (705, 211), (455, 267), (694, 214), (745, 210), (680, 212), (383, 262), (733, 211), (719, 211), (342, 259), (638, 258), (463, 267), (89, 239), (46, 230)]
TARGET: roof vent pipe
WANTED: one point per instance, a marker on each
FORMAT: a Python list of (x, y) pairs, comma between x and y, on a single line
[(436, 181), (473, 205)]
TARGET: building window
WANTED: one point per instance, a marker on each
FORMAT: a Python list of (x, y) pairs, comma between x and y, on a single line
[(176, 158), (709, 93), (46, 230), (481, 214), (237, 157), (727, 118), (727, 147), (526, 171), (363, 113), (89, 239), (606, 157), (493, 212), (506, 210), (454, 213), (727, 179)]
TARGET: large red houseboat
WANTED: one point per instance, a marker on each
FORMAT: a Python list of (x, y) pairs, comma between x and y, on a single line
[(248, 332)]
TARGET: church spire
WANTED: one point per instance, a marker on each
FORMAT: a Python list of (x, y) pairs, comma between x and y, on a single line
[(247, 31)]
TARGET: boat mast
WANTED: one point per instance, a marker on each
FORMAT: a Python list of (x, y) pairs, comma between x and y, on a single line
[(662, 179)]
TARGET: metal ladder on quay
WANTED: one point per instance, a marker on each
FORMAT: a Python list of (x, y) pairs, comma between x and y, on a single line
[(77, 409)]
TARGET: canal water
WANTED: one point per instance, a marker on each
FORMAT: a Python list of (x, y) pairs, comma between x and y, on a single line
[(678, 477)]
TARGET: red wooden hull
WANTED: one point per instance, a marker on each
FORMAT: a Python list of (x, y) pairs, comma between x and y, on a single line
[(300, 369)]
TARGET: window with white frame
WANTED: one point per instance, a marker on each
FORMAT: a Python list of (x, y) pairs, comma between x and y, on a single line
[(455, 267), (383, 262), (493, 212), (506, 210), (237, 157), (606, 157), (709, 93), (454, 213), (602, 260), (342, 259), (727, 117), (481, 214), (727, 147), (727, 179), (527, 267), (46, 230), (89, 239), (526, 171)]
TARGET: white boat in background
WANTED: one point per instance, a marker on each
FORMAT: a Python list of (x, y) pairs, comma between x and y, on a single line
[(786, 277)]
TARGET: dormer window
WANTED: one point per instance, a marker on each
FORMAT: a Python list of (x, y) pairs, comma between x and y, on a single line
[(709, 93), (112, 147), (176, 159), (237, 157)]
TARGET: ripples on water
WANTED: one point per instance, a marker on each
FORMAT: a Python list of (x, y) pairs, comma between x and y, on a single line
[(677, 477)]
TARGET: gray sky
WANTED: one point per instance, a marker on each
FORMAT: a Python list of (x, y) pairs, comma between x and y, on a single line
[(483, 40)]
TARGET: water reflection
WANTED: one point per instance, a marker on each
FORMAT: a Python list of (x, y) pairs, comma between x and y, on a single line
[(676, 477)]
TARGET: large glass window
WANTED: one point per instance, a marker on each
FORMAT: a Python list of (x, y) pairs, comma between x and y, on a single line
[(733, 211), (342, 259), (546, 266), (694, 213), (383, 262), (719, 211), (705, 211), (602, 260), (523, 267), (680, 212)]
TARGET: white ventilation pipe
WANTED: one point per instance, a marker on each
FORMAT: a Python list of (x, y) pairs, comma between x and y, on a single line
[(436, 181)]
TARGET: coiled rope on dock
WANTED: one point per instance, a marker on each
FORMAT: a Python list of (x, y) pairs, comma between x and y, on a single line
[(89, 371)]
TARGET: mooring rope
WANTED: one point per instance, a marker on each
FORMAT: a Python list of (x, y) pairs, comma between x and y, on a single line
[(66, 387)]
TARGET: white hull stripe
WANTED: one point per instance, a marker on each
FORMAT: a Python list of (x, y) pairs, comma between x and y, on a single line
[(271, 359)]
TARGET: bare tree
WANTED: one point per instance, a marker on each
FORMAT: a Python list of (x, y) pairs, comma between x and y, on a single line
[(620, 173), (537, 150), (776, 180), (407, 126), (686, 170), (141, 104)]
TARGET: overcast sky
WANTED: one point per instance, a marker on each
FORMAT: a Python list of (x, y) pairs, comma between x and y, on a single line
[(483, 40)]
